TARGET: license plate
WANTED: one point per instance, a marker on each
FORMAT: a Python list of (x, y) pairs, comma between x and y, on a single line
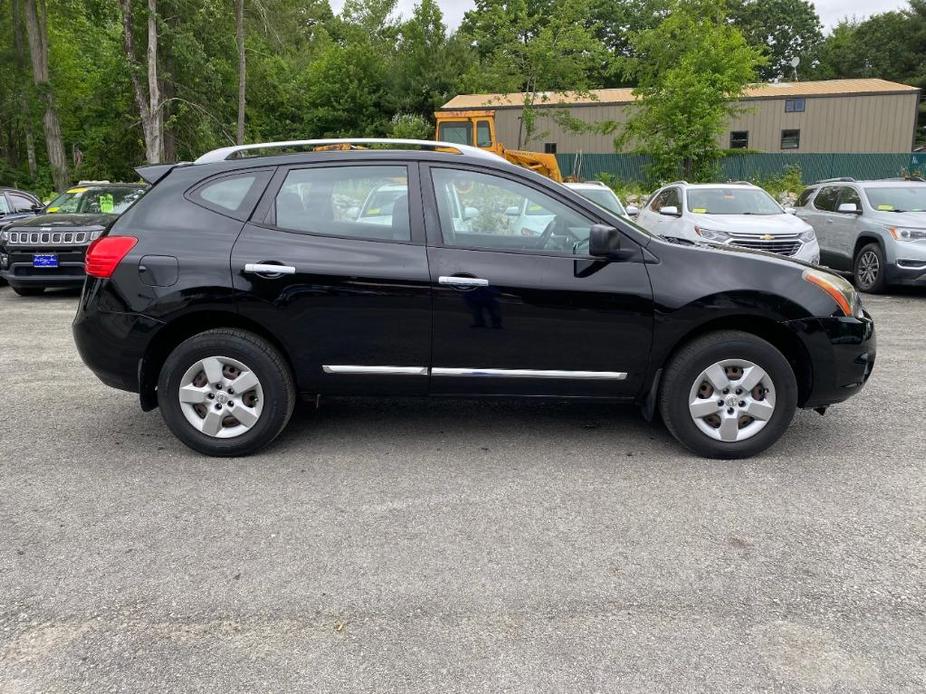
[(45, 260)]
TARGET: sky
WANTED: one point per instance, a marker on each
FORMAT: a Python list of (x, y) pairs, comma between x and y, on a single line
[(830, 11)]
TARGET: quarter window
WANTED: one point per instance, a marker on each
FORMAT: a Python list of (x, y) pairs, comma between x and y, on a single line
[(790, 139), (490, 212), (795, 105), (4, 205), (228, 193), (367, 202), (804, 197)]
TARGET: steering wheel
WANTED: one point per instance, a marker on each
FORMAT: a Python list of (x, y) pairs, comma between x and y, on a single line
[(556, 227)]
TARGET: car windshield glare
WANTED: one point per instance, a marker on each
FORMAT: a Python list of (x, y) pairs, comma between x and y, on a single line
[(603, 198), (731, 201), (900, 199)]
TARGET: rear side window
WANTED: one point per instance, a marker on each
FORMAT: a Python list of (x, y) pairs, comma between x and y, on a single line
[(826, 199), (367, 202), (233, 195)]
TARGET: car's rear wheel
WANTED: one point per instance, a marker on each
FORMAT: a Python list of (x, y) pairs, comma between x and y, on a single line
[(869, 269), (226, 392), (728, 394), (28, 291)]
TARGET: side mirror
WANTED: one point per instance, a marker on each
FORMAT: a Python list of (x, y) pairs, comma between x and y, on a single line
[(632, 210), (38, 209), (848, 208), (470, 213), (513, 211), (669, 211), (603, 241), (790, 210)]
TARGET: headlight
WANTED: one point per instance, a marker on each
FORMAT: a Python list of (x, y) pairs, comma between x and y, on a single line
[(808, 236), (712, 235), (904, 234), (840, 290)]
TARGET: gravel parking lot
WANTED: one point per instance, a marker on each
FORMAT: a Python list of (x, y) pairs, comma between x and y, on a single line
[(445, 546)]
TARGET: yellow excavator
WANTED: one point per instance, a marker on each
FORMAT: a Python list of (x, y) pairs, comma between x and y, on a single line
[(477, 128)]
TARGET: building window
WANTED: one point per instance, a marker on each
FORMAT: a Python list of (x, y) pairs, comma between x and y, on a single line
[(483, 134), (739, 139), (795, 105), (790, 139), (549, 148)]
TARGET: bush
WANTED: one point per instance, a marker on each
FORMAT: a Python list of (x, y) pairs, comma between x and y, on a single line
[(410, 126)]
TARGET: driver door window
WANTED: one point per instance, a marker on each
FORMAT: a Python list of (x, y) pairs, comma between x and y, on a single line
[(489, 212)]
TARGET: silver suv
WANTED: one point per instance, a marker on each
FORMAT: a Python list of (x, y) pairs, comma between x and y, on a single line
[(874, 229)]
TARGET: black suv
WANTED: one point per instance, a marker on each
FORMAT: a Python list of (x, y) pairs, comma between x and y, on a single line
[(17, 204), (48, 250), (256, 275)]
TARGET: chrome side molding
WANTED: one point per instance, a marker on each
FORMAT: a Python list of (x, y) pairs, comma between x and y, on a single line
[(345, 369), (453, 281), (531, 373)]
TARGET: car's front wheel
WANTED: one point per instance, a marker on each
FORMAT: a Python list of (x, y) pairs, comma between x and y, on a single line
[(728, 394), (869, 269), (226, 392)]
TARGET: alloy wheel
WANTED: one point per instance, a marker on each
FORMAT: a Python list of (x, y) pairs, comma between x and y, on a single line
[(868, 268)]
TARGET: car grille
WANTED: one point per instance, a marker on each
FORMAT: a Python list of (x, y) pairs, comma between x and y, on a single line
[(782, 244), (49, 238)]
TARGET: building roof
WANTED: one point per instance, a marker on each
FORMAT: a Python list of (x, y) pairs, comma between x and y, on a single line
[(852, 87)]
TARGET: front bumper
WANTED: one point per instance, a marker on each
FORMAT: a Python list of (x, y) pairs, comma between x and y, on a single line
[(911, 273), (16, 267), (842, 353), (809, 253)]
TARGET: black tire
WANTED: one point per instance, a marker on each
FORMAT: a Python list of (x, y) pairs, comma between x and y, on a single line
[(279, 394), (692, 359), (29, 291), (869, 253)]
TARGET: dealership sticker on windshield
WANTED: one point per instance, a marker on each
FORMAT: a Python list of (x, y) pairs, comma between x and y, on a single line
[(886, 208), (700, 210)]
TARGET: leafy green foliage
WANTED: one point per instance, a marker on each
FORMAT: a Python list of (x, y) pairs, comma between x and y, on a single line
[(689, 70), (783, 29)]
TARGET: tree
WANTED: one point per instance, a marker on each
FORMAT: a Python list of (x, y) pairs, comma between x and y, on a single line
[(690, 69), (149, 103), (538, 47), (783, 29), (242, 68), (37, 31)]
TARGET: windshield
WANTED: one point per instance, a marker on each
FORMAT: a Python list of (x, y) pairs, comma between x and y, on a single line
[(900, 199), (106, 200), (603, 198), (731, 201)]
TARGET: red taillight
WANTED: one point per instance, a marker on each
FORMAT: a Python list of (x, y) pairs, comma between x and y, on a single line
[(106, 253)]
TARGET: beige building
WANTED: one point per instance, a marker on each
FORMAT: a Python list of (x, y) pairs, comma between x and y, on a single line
[(853, 115)]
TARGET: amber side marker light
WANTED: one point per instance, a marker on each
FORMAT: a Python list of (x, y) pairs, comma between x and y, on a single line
[(105, 254), (831, 287)]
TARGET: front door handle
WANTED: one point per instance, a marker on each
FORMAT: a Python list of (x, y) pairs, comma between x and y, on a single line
[(269, 269), (464, 282)]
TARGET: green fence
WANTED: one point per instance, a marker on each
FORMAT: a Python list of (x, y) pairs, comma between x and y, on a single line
[(756, 166)]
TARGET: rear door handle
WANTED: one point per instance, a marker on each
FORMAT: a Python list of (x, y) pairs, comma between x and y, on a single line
[(453, 281), (269, 269)]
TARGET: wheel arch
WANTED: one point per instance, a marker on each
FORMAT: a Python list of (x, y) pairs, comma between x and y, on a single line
[(183, 328), (863, 240), (770, 330)]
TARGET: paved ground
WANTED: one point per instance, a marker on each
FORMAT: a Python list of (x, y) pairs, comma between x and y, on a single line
[(399, 546)]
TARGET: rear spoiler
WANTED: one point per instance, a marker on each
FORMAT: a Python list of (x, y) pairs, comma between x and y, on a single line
[(152, 173)]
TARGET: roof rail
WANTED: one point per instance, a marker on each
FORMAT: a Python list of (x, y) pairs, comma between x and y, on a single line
[(677, 183), (840, 179), (911, 177), (235, 152), (743, 183)]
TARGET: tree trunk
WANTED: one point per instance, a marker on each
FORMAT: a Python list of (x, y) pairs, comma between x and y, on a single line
[(242, 67), (25, 113), (38, 51), (149, 106)]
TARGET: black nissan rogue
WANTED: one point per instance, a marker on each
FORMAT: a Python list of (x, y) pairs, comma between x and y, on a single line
[(258, 274)]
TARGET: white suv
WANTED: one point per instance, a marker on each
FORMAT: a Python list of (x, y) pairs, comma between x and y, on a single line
[(738, 214)]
